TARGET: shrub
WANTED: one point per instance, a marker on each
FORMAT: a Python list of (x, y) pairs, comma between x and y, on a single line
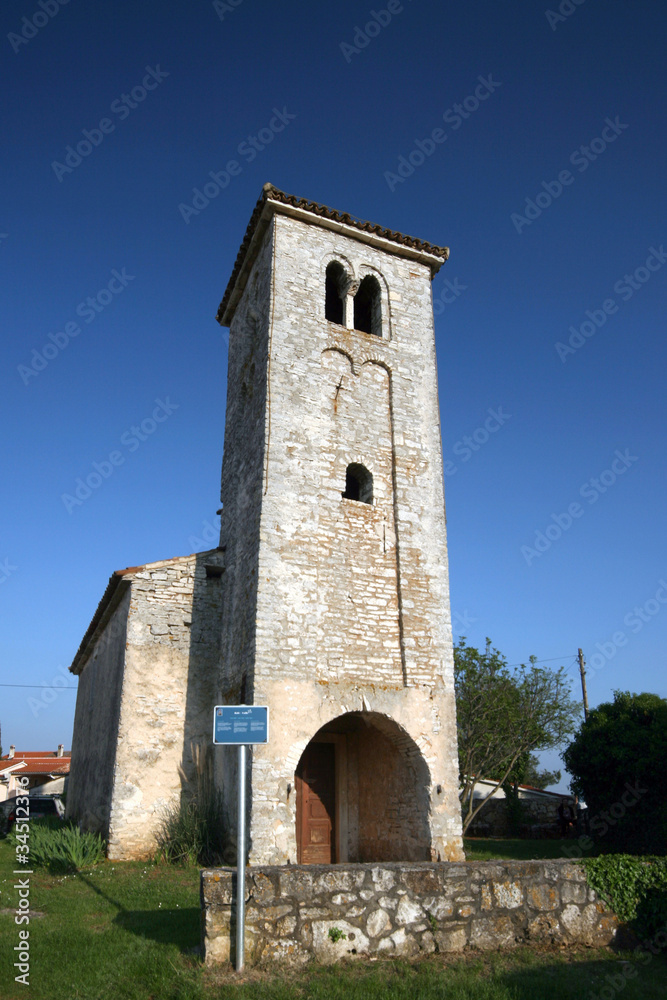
[(634, 887), (617, 763), (61, 847)]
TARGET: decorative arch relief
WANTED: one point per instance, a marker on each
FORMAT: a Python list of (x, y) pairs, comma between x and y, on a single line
[(358, 358)]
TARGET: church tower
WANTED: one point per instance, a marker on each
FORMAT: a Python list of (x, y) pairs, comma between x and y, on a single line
[(335, 595)]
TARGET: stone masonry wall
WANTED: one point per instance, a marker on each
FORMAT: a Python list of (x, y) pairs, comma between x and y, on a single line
[(400, 909), (539, 817), (167, 696), (241, 491), (96, 725)]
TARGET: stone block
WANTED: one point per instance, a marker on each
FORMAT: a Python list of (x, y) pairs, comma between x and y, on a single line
[(438, 908), (378, 922), (451, 938), (408, 911), (423, 882), (405, 944), (574, 892), (326, 950), (427, 943), (607, 928), (492, 933), (580, 923), (508, 894), (383, 879), (542, 897), (545, 928), (262, 887), (286, 926)]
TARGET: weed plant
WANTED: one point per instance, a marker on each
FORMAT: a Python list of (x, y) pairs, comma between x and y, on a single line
[(192, 831), (60, 847)]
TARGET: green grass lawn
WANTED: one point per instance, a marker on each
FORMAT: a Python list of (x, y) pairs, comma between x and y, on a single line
[(127, 931), (489, 849)]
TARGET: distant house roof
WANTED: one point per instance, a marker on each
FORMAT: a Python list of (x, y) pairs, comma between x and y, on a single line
[(528, 789), (7, 765), (272, 200), (38, 762)]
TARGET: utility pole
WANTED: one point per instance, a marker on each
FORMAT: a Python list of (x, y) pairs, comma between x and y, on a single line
[(583, 683)]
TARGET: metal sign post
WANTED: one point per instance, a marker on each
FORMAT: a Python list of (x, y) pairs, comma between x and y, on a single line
[(240, 725), (240, 864)]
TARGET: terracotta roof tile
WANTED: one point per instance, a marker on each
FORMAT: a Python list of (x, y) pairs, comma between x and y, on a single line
[(274, 195), (40, 761)]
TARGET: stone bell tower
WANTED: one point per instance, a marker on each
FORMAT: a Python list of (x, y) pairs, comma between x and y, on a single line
[(335, 595)]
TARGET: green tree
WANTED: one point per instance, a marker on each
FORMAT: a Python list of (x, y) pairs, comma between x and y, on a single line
[(525, 772), (503, 716), (618, 765), (530, 774)]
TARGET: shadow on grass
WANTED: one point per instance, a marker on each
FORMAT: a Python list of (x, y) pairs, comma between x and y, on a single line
[(637, 979), (521, 975), (180, 927)]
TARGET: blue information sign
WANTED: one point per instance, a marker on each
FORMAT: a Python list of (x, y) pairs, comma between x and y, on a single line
[(240, 724)]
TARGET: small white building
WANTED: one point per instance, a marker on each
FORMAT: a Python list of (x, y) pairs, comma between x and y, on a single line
[(46, 771)]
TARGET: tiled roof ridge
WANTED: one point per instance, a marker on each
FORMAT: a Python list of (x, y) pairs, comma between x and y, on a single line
[(271, 193)]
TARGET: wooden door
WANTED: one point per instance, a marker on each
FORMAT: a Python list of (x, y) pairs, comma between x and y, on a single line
[(316, 804)]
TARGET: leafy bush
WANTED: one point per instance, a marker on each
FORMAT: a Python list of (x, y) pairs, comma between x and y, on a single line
[(617, 763), (60, 847), (192, 831), (635, 888)]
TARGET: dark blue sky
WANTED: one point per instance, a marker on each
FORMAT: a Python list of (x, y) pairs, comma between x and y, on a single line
[(547, 183)]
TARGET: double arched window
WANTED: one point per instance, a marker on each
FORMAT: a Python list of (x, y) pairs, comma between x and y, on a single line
[(365, 308)]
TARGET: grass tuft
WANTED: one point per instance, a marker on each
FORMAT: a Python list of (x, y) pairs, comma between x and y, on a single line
[(59, 847), (192, 832)]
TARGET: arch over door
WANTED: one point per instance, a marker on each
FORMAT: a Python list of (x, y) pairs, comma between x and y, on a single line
[(362, 793)]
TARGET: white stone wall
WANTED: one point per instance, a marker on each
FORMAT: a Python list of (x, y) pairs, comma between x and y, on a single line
[(146, 697), (347, 605), (168, 696), (96, 725)]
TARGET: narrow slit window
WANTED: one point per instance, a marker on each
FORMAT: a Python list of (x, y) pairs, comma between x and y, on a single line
[(358, 484), (367, 307), (335, 282)]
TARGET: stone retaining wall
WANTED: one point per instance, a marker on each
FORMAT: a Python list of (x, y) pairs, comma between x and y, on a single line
[(540, 817), (327, 912)]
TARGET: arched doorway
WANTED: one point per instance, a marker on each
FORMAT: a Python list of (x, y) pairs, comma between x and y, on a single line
[(362, 789)]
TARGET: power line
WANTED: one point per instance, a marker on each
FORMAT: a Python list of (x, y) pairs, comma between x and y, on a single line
[(551, 659)]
